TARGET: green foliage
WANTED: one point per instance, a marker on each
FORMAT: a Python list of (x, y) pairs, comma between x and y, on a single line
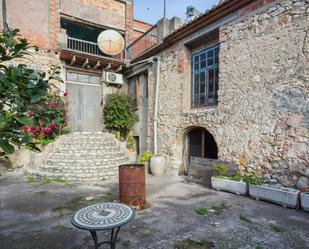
[(47, 180), (243, 217), (220, 169), (277, 229), (259, 247), (30, 179), (145, 158), (131, 142), (118, 113), (25, 98), (220, 207), (233, 178), (253, 180), (201, 211)]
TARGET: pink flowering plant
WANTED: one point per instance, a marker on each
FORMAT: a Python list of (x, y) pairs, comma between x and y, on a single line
[(32, 111), (48, 117)]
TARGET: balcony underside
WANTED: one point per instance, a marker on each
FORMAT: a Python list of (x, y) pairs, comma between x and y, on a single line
[(90, 61)]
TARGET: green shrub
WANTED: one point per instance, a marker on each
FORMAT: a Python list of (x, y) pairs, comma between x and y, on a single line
[(253, 180), (220, 168), (201, 211), (131, 142), (30, 110), (119, 115), (145, 158), (243, 217)]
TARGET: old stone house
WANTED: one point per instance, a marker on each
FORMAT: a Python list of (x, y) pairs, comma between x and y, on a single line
[(231, 84)]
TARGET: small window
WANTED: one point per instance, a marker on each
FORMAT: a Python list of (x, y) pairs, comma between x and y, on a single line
[(205, 77), (132, 90)]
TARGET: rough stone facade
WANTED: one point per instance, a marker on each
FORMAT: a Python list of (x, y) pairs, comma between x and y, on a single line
[(261, 121)]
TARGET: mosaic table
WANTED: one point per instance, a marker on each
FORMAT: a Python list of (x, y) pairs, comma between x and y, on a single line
[(103, 216)]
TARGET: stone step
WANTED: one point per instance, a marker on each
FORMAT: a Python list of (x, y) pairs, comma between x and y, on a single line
[(87, 162), (81, 170), (84, 177), (82, 157), (88, 143), (58, 152), (67, 149), (76, 161)]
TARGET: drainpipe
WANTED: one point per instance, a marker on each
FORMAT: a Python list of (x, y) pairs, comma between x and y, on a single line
[(4, 18), (155, 120)]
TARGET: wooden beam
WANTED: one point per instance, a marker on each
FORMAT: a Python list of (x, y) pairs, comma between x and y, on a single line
[(108, 66), (85, 63), (73, 60), (119, 69), (96, 65), (203, 144)]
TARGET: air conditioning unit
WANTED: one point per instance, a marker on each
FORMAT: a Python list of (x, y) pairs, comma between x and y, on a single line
[(113, 78)]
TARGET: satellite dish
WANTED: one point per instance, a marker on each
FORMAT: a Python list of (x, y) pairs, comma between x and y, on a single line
[(111, 42)]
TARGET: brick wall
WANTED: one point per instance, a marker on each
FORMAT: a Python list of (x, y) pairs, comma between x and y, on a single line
[(139, 28), (109, 13), (32, 18)]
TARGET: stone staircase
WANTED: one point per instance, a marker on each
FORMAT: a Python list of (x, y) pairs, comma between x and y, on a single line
[(80, 156)]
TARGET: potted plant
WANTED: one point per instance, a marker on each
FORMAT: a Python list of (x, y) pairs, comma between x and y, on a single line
[(286, 197), (157, 165), (233, 184), (131, 145), (145, 159)]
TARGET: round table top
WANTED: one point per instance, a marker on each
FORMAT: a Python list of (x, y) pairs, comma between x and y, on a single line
[(102, 216)]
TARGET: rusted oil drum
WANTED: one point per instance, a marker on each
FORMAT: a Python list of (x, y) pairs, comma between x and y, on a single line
[(132, 186)]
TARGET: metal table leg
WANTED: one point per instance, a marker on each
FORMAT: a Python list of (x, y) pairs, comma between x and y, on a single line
[(112, 241)]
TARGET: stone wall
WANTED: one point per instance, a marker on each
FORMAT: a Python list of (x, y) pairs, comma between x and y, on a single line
[(261, 121)]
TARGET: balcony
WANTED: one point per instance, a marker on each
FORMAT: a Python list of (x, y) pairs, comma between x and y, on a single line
[(88, 47), (143, 43)]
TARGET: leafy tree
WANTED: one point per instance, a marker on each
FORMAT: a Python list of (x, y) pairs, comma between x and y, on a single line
[(118, 113), (21, 91)]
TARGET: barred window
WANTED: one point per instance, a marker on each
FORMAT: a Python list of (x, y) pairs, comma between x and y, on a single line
[(205, 77)]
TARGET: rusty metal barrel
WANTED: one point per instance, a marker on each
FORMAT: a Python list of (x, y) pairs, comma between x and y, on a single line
[(132, 185)]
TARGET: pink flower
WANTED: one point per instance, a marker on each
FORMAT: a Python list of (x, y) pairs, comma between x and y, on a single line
[(65, 94), (53, 104), (47, 130), (26, 128), (53, 126)]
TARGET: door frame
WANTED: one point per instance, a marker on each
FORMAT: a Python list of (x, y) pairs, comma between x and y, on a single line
[(92, 73)]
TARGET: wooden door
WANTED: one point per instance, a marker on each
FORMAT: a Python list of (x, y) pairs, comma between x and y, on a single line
[(84, 102)]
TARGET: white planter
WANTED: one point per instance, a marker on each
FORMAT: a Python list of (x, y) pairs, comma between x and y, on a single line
[(239, 188), (287, 197), (304, 199), (157, 165)]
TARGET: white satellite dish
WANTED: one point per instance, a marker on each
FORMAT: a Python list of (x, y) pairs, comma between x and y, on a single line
[(111, 42)]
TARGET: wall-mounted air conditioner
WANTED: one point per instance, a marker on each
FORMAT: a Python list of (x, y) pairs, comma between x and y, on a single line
[(113, 78)]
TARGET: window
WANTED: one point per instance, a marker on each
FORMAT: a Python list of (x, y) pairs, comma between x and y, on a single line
[(83, 78), (205, 77), (132, 90)]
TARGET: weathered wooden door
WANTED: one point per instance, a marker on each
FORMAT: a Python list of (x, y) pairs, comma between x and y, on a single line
[(84, 102)]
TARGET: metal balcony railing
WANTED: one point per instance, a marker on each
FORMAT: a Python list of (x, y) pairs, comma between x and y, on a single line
[(89, 48), (145, 42)]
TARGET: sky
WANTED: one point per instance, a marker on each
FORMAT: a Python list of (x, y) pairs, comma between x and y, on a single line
[(152, 10)]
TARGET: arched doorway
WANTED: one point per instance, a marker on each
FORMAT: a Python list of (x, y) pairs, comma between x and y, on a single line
[(202, 144), (200, 149)]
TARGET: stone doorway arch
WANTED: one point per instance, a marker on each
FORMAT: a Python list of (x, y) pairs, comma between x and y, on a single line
[(198, 143)]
